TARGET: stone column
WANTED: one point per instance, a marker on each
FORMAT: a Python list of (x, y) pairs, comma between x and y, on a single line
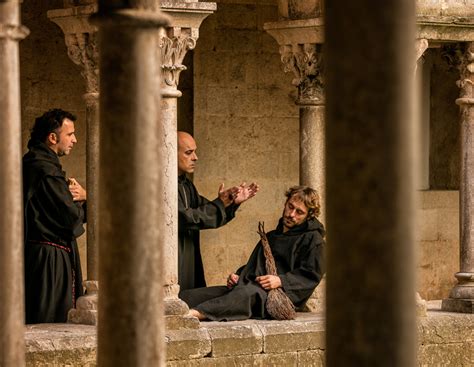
[(370, 186), (461, 298), (131, 326), (305, 61), (174, 42), (299, 32), (81, 41), (12, 311)]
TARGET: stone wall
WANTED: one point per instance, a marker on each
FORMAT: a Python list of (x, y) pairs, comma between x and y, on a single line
[(246, 125), (247, 128), (438, 243), (49, 79), (444, 339)]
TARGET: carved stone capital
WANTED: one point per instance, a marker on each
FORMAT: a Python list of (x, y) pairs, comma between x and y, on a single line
[(81, 39), (173, 48), (82, 49), (466, 80), (306, 63)]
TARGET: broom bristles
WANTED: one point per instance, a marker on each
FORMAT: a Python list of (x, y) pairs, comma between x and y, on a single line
[(278, 305)]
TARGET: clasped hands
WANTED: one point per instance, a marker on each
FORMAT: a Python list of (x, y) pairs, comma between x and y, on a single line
[(77, 191), (267, 282), (237, 194)]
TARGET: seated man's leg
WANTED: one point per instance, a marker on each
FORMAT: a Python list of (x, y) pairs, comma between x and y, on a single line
[(242, 302), (194, 297)]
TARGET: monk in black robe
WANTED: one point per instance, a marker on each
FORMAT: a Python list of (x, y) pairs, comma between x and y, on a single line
[(54, 211), (297, 247), (195, 213)]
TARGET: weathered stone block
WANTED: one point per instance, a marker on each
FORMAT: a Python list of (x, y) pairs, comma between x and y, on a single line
[(312, 358), (446, 328), (456, 354), (230, 340), (60, 345), (427, 229), (176, 322), (281, 336), (431, 199), (187, 344), (437, 262)]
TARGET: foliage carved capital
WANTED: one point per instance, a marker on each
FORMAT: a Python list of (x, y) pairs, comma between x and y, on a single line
[(466, 80), (173, 49), (306, 63), (82, 50)]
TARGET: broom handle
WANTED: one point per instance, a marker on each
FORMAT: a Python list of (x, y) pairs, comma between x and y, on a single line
[(269, 260)]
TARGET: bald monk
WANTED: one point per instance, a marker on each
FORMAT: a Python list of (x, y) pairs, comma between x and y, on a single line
[(195, 212)]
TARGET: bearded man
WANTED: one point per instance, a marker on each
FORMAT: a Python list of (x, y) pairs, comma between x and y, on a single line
[(297, 247)]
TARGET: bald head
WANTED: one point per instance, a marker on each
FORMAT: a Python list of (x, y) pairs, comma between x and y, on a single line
[(186, 153)]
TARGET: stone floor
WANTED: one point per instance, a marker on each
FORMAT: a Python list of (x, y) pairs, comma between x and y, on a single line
[(445, 339)]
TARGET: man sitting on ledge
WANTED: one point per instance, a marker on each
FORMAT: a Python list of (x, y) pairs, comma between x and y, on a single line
[(297, 247)]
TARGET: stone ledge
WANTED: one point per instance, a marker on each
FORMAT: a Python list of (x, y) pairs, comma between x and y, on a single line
[(445, 338)]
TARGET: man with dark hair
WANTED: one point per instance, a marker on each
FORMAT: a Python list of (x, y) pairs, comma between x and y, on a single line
[(54, 210), (297, 247), (195, 213)]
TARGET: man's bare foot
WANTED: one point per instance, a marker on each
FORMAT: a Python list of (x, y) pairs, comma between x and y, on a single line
[(197, 314)]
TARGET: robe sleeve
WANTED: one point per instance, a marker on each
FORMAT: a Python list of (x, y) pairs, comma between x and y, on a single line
[(208, 214), (300, 282), (59, 212)]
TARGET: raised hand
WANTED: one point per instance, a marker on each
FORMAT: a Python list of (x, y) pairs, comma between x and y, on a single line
[(227, 196), (246, 192)]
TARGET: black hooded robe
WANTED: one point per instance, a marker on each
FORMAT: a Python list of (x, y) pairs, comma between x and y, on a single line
[(195, 212), (299, 260), (53, 221)]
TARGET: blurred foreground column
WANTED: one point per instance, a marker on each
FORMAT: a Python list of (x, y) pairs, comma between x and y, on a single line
[(131, 324), (370, 183), (12, 311)]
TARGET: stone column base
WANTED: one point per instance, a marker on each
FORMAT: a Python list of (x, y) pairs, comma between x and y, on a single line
[(458, 305), (177, 315), (86, 306)]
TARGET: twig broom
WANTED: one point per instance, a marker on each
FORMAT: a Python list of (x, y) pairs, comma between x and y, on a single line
[(278, 304)]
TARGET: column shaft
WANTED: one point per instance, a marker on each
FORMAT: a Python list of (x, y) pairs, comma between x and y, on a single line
[(466, 194), (170, 192), (12, 315), (370, 183), (131, 326), (312, 150), (461, 298), (92, 175)]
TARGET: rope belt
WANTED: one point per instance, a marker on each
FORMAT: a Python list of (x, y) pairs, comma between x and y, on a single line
[(67, 249)]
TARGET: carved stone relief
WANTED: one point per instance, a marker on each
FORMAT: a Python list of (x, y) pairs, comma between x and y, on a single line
[(173, 48), (306, 63), (466, 80), (82, 50)]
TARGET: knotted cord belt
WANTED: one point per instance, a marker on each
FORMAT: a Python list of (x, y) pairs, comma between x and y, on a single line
[(68, 250)]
